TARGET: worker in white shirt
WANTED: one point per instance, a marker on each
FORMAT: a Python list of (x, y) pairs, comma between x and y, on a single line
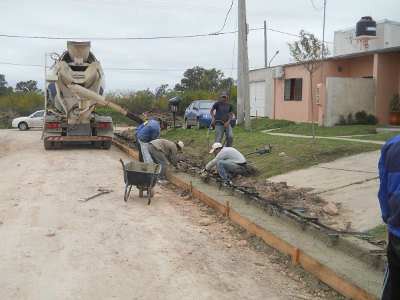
[(229, 162)]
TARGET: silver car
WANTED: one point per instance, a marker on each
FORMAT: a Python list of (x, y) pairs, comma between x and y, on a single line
[(25, 123)]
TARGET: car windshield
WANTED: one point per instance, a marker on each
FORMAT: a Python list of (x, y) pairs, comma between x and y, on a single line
[(37, 114), (206, 105)]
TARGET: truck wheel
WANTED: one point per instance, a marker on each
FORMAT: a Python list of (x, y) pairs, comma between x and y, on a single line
[(48, 145), (106, 145), (23, 126), (57, 145), (97, 145)]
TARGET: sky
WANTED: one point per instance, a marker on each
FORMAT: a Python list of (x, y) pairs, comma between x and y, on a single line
[(144, 44)]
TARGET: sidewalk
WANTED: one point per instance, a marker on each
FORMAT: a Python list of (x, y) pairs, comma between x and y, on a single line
[(352, 181)]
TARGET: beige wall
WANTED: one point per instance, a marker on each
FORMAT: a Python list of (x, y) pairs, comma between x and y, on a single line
[(348, 95)]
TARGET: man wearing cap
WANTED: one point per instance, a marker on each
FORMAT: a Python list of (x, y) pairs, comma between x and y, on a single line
[(165, 152), (229, 161), (222, 119), (145, 133)]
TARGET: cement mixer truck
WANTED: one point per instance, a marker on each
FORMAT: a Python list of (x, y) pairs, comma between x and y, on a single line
[(74, 87)]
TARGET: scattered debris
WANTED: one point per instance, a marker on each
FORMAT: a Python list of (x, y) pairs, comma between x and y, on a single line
[(331, 209)]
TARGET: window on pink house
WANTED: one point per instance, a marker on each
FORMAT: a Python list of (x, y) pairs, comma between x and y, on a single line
[(293, 89)]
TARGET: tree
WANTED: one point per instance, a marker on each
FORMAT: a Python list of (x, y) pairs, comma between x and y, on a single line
[(4, 89), (29, 86), (162, 91), (198, 78), (308, 51)]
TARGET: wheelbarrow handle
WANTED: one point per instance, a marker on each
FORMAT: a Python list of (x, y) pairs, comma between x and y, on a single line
[(123, 165)]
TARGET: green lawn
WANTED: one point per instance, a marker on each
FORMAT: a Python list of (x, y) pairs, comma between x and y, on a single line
[(298, 152)]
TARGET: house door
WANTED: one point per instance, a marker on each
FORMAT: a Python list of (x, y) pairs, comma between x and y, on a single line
[(257, 99)]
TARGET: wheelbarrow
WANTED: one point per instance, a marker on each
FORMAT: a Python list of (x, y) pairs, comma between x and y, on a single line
[(143, 176)]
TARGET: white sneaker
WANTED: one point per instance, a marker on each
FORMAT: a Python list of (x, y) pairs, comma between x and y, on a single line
[(162, 181)]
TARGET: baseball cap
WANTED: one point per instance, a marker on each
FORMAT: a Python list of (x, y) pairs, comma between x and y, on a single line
[(180, 144), (215, 146), (224, 94)]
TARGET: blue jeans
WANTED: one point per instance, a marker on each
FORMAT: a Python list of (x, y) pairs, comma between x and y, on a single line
[(219, 134), (227, 169), (144, 147)]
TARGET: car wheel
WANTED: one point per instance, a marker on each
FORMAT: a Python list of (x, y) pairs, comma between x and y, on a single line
[(186, 124), (48, 145), (107, 145), (23, 126), (198, 125)]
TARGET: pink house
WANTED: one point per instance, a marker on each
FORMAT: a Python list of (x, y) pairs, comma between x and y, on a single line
[(356, 78), (349, 83)]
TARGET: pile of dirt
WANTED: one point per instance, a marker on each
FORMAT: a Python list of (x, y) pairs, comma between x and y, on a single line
[(154, 115)]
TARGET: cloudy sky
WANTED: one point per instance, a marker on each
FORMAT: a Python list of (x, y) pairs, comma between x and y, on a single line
[(143, 44)]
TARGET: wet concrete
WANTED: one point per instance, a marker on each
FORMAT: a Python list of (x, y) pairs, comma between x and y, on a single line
[(343, 260)]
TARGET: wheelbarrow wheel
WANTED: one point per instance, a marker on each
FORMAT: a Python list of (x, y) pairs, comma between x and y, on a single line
[(150, 193), (127, 192)]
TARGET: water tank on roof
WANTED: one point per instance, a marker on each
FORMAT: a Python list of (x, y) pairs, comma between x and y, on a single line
[(366, 26)]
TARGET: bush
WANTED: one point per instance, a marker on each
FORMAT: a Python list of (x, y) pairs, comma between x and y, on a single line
[(342, 120), (365, 119), (361, 117)]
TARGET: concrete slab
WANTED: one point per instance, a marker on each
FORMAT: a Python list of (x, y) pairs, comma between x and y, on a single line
[(352, 181)]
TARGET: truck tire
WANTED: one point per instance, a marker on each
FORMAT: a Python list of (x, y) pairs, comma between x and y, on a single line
[(48, 145), (107, 145), (97, 145), (57, 145), (23, 126)]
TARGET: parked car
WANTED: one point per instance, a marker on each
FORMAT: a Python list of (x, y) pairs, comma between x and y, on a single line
[(25, 123), (198, 114)]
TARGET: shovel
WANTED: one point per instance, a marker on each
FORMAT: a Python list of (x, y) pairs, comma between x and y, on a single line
[(101, 192)]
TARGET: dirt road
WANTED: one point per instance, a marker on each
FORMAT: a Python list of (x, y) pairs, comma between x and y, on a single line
[(54, 247)]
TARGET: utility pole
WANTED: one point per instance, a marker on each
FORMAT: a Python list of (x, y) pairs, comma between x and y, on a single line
[(243, 99), (265, 45)]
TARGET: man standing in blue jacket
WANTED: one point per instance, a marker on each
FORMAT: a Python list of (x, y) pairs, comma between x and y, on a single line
[(145, 133), (389, 200)]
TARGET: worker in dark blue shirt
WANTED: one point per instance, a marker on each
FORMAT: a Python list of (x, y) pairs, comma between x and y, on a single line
[(389, 200), (145, 133), (222, 120)]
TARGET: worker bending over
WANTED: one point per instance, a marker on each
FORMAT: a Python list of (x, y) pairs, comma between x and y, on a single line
[(165, 152), (229, 161), (145, 133)]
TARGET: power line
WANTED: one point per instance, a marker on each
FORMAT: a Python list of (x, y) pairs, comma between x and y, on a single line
[(111, 68), (114, 38), (226, 17), (140, 38)]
